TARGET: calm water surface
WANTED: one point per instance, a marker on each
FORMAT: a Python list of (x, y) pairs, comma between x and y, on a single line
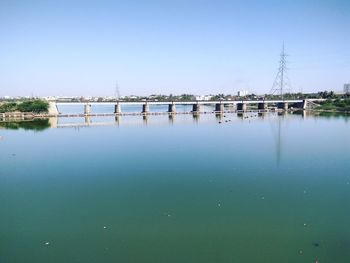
[(208, 189)]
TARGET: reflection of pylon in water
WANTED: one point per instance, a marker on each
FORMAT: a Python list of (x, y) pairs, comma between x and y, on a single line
[(279, 139), (281, 83), (279, 142)]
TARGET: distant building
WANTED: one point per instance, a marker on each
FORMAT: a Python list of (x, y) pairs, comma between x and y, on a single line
[(204, 97), (242, 93), (347, 88)]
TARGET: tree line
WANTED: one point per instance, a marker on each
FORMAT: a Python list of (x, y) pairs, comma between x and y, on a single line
[(34, 106)]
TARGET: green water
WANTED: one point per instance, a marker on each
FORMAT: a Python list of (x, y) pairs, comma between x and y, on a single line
[(253, 189)]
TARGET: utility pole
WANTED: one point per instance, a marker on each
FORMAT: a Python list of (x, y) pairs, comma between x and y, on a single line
[(281, 81)]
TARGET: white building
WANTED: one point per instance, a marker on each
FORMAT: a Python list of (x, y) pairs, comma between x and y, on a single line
[(204, 97), (347, 88), (242, 93)]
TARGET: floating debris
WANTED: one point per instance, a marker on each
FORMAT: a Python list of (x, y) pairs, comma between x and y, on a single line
[(104, 227), (47, 243)]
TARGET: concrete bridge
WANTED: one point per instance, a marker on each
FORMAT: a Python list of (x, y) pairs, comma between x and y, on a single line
[(239, 106)]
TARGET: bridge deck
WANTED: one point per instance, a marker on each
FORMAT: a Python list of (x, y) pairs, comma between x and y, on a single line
[(183, 102)]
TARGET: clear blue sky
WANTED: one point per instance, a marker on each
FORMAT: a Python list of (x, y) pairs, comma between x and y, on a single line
[(199, 47)]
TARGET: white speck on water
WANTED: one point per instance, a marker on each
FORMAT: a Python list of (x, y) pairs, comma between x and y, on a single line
[(47, 243), (104, 227), (219, 204), (305, 224)]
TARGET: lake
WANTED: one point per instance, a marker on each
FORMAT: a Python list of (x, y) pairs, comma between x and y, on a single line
[(229, 188)]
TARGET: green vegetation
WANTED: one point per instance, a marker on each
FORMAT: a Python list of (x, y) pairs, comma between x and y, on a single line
[(8, 107), (335, 105), (36, 125), (34, 106)]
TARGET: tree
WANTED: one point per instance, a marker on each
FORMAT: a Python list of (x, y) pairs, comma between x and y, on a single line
[(35, 106)]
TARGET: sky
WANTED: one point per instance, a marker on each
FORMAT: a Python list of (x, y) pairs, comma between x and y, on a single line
[(82, 48)]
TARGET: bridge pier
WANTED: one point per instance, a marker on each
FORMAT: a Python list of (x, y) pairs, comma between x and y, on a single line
[(172, 108), (53, 110), (282, 105), (117, 109), (196, 108), (145, 108), (303, 104), (87, 109), (241, 106), (232, 107), (262, 106), (219, 107)]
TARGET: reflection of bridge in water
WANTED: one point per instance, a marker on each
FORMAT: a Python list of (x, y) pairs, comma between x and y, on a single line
[(116, 120)]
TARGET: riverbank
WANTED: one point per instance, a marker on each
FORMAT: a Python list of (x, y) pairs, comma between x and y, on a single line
[(337, 105)]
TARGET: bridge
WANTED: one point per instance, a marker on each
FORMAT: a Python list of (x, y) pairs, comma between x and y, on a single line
[(239, 106)]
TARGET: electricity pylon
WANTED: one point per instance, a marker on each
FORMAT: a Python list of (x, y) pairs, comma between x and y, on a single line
[(117, 92), (281, 82)]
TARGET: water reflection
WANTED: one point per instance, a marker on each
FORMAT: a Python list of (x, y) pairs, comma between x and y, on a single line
[(196, 116), (219, 116), (262, 114), (117, 120), (171, 118), (88, 121), (36, 125), (145, 119)]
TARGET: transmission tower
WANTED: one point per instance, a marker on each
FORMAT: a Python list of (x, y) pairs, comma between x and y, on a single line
[(281, 83), (117, 92)]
